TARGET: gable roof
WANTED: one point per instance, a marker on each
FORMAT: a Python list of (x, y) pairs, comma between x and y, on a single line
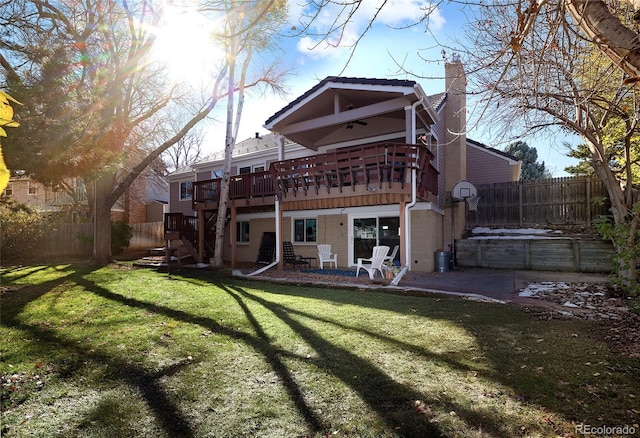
[(366, 107), (340, 80), (494, 151)]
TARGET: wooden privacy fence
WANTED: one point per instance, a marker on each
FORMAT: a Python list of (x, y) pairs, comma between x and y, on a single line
[(77, 239), (568, 200)]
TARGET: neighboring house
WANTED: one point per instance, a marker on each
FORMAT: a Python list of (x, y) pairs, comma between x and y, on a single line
[(71, 203), (487, 165), (353, 162), (145, 201)]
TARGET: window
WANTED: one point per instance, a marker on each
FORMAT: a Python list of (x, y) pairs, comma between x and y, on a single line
[(244, 170), (242, 232), (216, 174), (304, 230), (258, 168), (8, 191), (32, 188), (186, 190)]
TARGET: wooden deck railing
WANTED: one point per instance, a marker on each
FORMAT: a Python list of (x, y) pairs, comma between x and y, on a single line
[(244, 186), (186, 226), (367, 165)]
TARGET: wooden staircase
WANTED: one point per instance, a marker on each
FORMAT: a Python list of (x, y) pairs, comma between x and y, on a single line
[(183, 231)]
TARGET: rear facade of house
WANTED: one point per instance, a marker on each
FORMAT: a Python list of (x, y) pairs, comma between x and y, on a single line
[(353, 162)]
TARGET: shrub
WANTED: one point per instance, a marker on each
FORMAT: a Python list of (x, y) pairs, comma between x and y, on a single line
[(22, 231), (121, 234)]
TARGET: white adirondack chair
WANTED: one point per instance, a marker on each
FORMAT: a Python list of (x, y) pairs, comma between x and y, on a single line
[(375, 262), (392, 256), (326, 256)]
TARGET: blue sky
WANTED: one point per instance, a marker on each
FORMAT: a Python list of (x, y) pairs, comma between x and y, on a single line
[(389, 43)]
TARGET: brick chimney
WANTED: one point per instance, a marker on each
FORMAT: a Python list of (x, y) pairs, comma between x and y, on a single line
[(455, 143), (455, 122)]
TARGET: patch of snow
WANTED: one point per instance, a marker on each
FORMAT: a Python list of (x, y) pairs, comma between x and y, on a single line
[(480, 233), (538, 289), (570, 304), (513, 236), (486, 230)]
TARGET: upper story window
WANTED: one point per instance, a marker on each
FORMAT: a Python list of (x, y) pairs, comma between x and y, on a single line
[(8, 191), (186, 191), (304, 230), (244, 170), (258, 168)]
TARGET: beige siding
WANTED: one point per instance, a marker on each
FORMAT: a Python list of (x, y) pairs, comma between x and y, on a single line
[(248, 253), (331, 232), (426, 227)]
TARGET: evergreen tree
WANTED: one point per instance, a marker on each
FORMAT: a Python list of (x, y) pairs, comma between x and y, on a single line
[(531, 168)]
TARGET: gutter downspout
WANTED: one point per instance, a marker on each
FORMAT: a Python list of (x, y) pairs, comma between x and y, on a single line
[(278, 224), (414, 195)]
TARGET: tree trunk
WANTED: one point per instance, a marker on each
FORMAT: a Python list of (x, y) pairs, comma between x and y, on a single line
[(611, 36), (218, 253), (102, 222), (626, 224)]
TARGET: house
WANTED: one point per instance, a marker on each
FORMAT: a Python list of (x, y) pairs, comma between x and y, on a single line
[(69, 205), (353, 162), (487, 165), (144, 201)]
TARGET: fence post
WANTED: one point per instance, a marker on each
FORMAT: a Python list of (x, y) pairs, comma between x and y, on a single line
[(520, 206), (587, 181)]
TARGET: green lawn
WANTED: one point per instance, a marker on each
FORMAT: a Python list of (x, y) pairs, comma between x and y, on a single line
[(122, 352)]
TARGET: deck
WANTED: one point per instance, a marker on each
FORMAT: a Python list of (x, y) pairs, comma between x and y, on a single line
[(361, 175)]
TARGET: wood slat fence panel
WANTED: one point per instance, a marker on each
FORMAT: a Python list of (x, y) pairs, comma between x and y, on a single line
[(76, 239), (570, 200), (66, 240)]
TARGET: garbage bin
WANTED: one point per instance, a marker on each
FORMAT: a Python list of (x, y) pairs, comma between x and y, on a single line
[(442, 261)]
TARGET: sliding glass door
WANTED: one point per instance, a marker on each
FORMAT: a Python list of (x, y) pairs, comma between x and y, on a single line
[(372, 231)]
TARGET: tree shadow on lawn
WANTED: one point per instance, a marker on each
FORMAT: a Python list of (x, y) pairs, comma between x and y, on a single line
[(563, 366), (147, 382), (391, 400), (394, 402)]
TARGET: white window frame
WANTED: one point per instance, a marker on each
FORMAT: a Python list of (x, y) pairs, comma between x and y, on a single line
[(241, 240), (180, 197), (304, 241)]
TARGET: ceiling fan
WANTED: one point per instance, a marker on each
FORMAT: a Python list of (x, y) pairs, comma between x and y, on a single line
[(354, 122), (358, 122)]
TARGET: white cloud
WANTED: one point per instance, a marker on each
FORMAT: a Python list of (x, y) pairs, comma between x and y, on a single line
[(394, 14)]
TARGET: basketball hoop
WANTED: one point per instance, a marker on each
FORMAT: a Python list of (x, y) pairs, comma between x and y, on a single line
[(472, 202)]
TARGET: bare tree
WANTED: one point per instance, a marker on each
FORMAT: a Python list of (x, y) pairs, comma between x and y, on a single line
[(246, 26), (186, 151)]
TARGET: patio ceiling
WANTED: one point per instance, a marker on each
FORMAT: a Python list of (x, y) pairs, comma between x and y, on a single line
[(339, 110)]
